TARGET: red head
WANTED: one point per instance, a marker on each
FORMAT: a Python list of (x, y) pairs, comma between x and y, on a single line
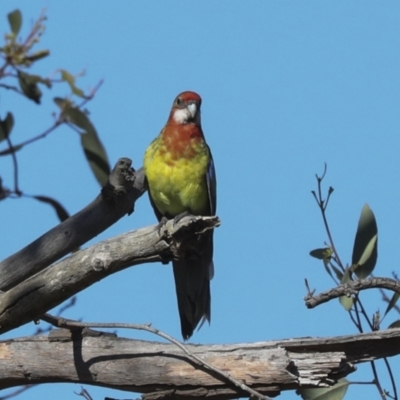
[(186, 109)]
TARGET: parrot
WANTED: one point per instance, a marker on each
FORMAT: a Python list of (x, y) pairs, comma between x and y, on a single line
[(180, 177)]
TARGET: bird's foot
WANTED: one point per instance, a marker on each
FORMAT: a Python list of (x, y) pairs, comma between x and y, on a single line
[(180, 216), (161, 225)]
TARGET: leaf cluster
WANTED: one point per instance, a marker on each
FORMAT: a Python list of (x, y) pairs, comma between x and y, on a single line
[(19, 56), (363, 262)]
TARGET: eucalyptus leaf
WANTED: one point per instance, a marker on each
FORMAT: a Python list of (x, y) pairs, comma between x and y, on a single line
[(6, 126), (321, 254), (345, 301), (335, 392), (15, 21), (79, 118), (62, 103), (39, 79), (29, 87), (70, 79), (96, 155), (392, 302), (365, 250), (38, 55), (92, 146), (58, 208), (395, 324)]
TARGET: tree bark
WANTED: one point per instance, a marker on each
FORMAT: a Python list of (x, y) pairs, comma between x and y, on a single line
[(31, 298), (163, 371), (116, 199)]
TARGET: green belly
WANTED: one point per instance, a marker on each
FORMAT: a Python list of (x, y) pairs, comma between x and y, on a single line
[(179, 188)]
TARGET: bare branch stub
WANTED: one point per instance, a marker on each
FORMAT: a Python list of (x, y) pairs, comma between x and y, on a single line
[(120, 183), (124, 187)]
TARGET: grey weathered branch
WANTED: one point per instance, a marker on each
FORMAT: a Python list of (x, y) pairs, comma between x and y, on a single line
[(116, 199), (163, 371), (31, 298), (351, 288)]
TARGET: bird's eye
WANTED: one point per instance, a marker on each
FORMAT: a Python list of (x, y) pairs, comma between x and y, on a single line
[(179, 101)]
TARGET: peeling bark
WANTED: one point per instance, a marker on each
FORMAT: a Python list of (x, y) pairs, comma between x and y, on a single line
[(163, 371)]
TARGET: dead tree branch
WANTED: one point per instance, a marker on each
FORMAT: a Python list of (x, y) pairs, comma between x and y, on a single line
[(33, 297), (154, 368), (74, 325), (116, 199), (351, 288)]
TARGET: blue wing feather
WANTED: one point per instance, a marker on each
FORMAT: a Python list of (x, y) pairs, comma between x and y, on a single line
[(212, 185)]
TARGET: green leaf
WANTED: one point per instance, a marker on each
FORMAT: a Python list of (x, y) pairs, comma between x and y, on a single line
[(70, 79), (62, 103), (338, 272), (365, 250), (92, 146), (59, 209), (346, 302), (392, 302), (78, 118), (6, 126), (395, 324), (29, 87), (335, 392), (39, 79), (325, 255), (321, 254), (38, 55), (15, 21), (96, 155)]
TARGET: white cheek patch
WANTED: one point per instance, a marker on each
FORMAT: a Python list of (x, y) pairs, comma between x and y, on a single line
[(182, 116)]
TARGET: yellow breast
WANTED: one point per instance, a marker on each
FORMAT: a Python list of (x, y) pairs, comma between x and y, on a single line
[(177, 184)]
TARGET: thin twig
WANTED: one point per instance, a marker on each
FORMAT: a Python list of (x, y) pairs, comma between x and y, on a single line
[(59, 120), (92, 93), (392, 381), (9, 87), (356, 319), (3, 68), (376, 381), (29, 41), (84, 393), (374, 371), (15, 163), (65, 323), (16, 392), (322, 206), (361, 383), (364, 313), (69, 304), (56, 124)]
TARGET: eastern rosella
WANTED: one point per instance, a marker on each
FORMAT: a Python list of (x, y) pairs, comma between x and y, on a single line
[(180, 174)]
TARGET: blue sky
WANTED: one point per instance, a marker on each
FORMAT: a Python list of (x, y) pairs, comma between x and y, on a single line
[(286, 87)]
